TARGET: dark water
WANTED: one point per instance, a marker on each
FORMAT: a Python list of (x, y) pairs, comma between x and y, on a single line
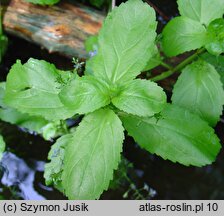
[(149, 177)]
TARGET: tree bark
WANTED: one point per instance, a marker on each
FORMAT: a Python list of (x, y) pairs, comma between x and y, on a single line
[(62, 28)]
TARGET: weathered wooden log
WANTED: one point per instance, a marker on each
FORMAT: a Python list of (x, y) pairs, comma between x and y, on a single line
[(62, 28)]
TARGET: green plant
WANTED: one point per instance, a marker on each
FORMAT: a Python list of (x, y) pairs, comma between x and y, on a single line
[(112, 99), (3, 47), (3, 40), (2, 146)]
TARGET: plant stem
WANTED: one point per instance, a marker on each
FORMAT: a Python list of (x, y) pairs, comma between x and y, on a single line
[(137, 192), (179, 67), (0, 21), (165, 65)]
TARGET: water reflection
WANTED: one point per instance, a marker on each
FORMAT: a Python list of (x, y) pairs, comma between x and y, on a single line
[(17, 173)]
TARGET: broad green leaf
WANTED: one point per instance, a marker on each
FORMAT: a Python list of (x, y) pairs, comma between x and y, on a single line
[(217, 62), (154, 61), (125, 42), (92, 155), (176, 135), (216, 30), (140, 97), (85, 94), (32, 123), (37, 124), (53, 169), (43, 2), (33, 88), (2, 146), (10, 115), (203, 11), (200, 90), (182, 34)]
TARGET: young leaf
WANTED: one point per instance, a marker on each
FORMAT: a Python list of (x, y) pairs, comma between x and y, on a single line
[(216, 29), (200, 90), (125, 42), (203, 11), (217, 62), (177, 135), (53, 169), (92, 155), (2, 146), (54, 129), (43, 2), (33, 88), (182, 34), (140, 97), (85, 94)]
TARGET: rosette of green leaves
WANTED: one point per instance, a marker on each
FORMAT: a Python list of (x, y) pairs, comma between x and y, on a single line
[(124, 46), (112, 100), (195, 28)]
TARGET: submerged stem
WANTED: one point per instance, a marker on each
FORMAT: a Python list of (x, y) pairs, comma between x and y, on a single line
[(178, 67), (1, 21), (165, 65)]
